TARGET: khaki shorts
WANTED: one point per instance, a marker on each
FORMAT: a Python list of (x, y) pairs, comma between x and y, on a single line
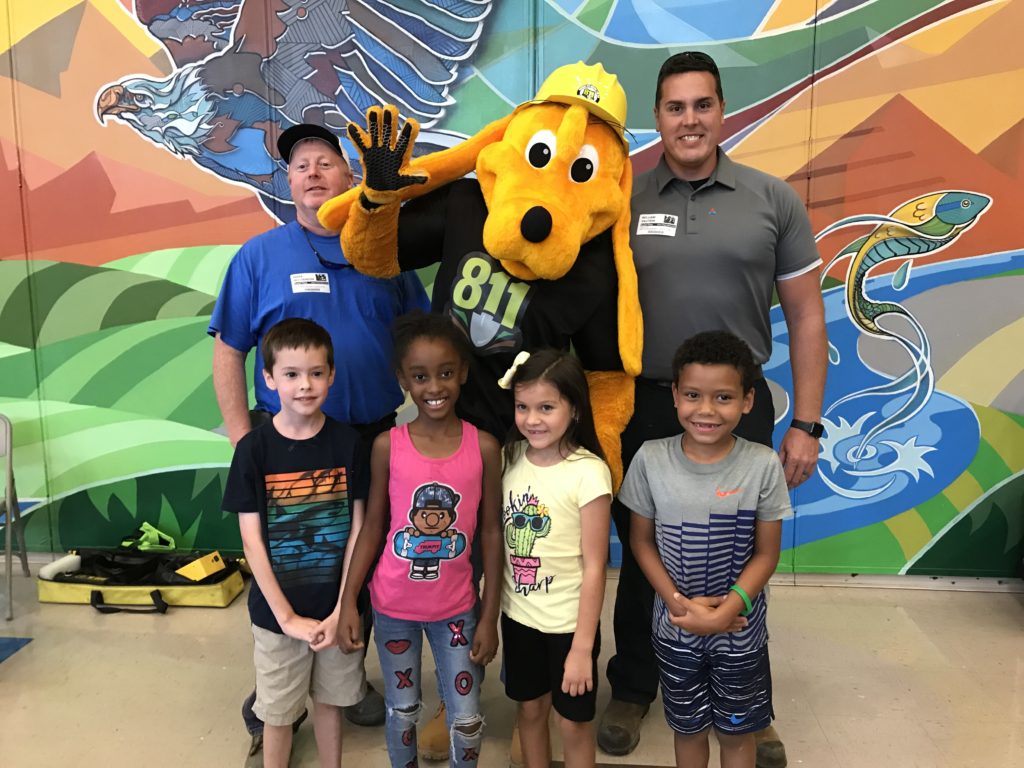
[(287, 671)]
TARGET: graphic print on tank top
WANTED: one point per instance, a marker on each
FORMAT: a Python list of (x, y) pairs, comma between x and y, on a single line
[(431, 536)]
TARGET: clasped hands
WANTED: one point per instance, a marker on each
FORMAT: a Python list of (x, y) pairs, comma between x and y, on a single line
[(319, 634), (703, 615)]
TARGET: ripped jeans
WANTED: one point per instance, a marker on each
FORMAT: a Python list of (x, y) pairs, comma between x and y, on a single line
[(399, 646)]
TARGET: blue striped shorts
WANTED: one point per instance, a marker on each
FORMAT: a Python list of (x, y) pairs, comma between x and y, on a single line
[(732, 692)]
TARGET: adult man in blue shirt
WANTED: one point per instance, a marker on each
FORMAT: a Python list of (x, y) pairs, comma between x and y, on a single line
[(299, 270)]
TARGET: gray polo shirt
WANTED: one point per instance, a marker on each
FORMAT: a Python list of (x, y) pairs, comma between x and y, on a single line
[(709, 259)]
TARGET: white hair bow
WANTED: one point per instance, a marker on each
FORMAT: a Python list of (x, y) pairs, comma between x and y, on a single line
[(505, 382)]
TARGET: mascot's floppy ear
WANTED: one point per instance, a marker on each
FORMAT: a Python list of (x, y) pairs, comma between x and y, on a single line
[(631, 326)]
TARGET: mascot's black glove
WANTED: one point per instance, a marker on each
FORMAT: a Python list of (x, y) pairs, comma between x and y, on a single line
[(385, 156)]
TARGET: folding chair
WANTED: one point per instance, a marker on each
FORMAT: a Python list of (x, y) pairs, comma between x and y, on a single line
[(11, 513)]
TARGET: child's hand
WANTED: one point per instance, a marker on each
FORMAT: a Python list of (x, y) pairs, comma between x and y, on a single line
[(301, 628), (578, 677), (708, 601), (350, 630), (701, 619), (677, 606), (327, 633), (485, 643)]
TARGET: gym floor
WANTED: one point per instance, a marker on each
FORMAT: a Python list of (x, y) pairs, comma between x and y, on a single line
[(864, 678)]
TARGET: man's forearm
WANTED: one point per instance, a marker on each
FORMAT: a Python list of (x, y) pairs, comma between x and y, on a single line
[(804, 311), (809, 358), (229, 385)]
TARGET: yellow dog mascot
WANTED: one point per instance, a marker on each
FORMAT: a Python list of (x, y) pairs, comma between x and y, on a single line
[(533, 253)]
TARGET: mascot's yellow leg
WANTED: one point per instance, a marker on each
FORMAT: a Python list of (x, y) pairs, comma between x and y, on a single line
[(611, 395)]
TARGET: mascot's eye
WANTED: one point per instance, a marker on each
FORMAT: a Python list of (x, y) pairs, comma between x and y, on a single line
[(143, 100), (541, 148), (584, 167)]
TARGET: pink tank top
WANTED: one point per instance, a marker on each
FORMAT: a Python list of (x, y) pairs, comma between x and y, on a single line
[(424, 572)]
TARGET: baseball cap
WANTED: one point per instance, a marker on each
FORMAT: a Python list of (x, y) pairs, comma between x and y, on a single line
[(289, 138)]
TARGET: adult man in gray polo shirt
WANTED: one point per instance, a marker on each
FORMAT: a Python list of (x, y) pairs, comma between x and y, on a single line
[(711, 239)]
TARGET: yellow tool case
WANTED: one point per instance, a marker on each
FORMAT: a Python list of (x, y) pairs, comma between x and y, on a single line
[(110, 579)]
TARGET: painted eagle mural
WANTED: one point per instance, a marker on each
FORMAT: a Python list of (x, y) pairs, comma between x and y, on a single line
[(245, 70)]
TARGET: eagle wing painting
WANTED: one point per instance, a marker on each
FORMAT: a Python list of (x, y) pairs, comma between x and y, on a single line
[(245, 70)]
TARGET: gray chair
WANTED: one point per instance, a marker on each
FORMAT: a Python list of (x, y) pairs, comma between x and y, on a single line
[(11, 513)]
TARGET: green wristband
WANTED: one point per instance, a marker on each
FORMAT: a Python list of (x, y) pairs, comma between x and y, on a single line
[(748, 606)]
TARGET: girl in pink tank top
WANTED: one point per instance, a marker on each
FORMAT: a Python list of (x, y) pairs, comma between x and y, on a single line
[(432, 483)]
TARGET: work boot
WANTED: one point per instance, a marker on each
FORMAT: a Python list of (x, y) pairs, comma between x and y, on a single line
[(619, 731), (432, 740), (369, 711), (771, 752)]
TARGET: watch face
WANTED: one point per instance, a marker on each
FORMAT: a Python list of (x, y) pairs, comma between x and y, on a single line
[(813, 428)]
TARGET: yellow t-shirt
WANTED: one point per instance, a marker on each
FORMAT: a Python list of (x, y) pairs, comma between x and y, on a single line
[(543, 537)]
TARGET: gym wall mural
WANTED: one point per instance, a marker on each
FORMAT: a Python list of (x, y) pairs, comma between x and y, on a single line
[(136, 158)]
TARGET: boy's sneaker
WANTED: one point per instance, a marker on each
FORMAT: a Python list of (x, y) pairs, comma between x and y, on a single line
[(369, 711), (255, 757), (771, 752)]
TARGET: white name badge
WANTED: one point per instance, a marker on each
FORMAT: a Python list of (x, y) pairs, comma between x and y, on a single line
[(311, 282), (657, 224)]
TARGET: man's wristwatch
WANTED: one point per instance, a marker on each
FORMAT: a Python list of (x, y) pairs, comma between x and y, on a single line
[(813, 428)]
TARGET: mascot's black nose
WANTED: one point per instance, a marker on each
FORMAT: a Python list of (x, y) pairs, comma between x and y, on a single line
[(536, 224)]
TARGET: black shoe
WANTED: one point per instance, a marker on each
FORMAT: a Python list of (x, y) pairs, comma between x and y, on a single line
[(255, 757), (771, 752), (619, 730), (369, 711)]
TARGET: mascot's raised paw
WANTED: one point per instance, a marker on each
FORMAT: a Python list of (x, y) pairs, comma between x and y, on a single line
[(385, 155)]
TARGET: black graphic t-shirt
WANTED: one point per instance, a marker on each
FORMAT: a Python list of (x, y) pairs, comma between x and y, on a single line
[(500, 314), (303, 491)]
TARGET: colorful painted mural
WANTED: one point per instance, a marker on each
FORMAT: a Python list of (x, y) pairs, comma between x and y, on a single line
[(138, 156)]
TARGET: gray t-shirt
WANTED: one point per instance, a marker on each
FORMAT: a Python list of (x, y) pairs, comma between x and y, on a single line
[(709, 259), (704, 517)]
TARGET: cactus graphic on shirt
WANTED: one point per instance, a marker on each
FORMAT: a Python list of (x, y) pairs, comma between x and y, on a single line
[(526, 521)]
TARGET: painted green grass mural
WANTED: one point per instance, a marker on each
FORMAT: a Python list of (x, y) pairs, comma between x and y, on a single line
[(112, 397)]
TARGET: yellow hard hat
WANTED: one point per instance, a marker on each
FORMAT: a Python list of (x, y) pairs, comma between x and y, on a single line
[(590, 86)]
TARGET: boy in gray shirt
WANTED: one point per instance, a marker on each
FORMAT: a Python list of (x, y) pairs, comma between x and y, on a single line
[(706, 530)]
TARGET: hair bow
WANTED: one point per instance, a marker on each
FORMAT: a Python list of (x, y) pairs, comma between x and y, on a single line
[(505, 382)]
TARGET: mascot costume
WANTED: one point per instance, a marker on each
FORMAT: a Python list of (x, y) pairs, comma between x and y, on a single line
[(532, 253)]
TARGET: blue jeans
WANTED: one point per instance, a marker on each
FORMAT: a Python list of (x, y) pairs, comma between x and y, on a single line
[(399, 646)]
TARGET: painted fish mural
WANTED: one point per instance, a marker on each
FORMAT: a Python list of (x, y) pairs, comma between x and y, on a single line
[(917, 228)]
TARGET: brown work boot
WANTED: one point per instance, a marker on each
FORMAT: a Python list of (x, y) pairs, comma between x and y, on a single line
[(619, 731), (432, 739), (771, 752)]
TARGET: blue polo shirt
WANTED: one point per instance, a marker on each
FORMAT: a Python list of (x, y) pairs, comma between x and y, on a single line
[(277, 275)]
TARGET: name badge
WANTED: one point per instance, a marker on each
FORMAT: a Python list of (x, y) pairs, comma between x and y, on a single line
[(657, 224), (311, 282)]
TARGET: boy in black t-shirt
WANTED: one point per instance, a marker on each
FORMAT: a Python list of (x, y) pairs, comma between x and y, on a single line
[(299, 488)]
